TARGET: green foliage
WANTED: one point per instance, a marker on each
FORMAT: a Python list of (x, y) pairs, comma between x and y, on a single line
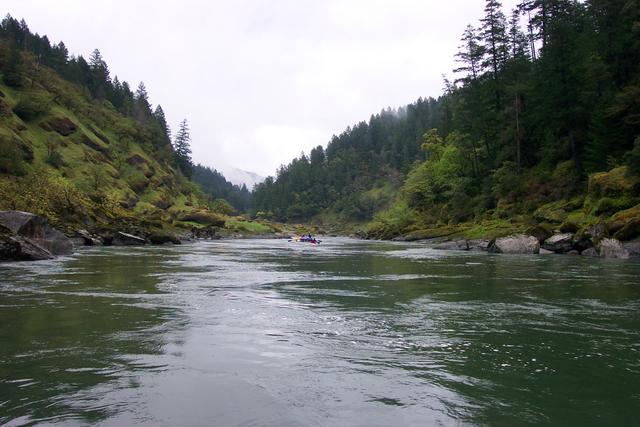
[(393, 221), (32, 106), (11, 157), (46, 194), (506, 181), (248, 226), (203, 217), (221, 206), (632, 158), (13, 70)]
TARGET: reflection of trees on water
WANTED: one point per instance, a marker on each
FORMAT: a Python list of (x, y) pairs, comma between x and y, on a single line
[(97, 318)]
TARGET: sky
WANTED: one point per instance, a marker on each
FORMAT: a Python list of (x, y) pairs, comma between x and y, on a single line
[(261, 81)]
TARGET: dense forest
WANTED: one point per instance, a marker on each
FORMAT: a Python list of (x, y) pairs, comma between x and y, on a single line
[(217, 186), (543, 99), (84, 150)]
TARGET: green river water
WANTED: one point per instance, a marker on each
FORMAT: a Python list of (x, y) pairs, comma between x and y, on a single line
[(348, 333)]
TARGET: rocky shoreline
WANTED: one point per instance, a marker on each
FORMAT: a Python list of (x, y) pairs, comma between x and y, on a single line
[(28, 237), (25, 236), (561, 243)]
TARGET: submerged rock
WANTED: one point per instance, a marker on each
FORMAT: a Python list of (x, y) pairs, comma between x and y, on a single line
[(590, 252), (515, 244)]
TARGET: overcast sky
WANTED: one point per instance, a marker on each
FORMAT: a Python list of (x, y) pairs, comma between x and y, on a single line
[(261, 81)]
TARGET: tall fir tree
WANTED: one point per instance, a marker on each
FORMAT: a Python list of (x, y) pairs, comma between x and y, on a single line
[(182, 149)]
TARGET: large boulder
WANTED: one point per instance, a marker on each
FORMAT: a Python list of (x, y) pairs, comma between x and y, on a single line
[(515, 244), (633, 248), (612, 248), (37, 230), (559, 243), (18, 248)]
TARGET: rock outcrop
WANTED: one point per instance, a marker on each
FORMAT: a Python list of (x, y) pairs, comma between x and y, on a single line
[(37, 230), (515, 244), (18, 248), (28, 237)]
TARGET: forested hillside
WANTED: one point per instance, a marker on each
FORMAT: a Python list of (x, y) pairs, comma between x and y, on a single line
[(216, 185), (541, 126), (83, 149), (359, 172)]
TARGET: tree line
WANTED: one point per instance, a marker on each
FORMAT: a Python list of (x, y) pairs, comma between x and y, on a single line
[(94, 77), (541, 98)]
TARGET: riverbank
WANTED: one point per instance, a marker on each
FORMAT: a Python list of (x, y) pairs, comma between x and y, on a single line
[(595, 240), (25, 236)]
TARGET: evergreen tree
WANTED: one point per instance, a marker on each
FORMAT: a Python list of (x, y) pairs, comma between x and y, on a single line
[(182, 149), (495, 40), (470, 56), (141, 106), (14, 68), (99, 79), (161, 122)]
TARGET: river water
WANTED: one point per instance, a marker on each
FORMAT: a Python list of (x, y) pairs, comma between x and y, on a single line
[(348, 333)]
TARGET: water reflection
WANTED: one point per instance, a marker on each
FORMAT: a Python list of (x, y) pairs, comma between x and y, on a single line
[(67, 330)]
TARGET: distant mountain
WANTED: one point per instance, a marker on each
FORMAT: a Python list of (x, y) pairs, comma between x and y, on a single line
[(239, 177)]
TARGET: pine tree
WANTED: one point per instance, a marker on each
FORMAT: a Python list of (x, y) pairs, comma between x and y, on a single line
[(182, 149), (161, 121), (470, 56), (494, 35), (14, 68), (141, 106), (99, 80)]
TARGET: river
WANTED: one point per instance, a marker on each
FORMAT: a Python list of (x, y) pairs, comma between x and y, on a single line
[(347, 333)]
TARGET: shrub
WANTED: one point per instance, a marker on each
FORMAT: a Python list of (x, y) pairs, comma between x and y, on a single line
[(32, 106), (11, 157)]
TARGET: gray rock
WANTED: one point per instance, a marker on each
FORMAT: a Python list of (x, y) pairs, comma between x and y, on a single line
[(633, 248), (545, 252), (479, 245), (84, 238), (56, 242), (559, 243), (573, 252), (456, 245), (612, 248), (590, 252), (18, 248), (515, 244), (125, 239), (37, 230)]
